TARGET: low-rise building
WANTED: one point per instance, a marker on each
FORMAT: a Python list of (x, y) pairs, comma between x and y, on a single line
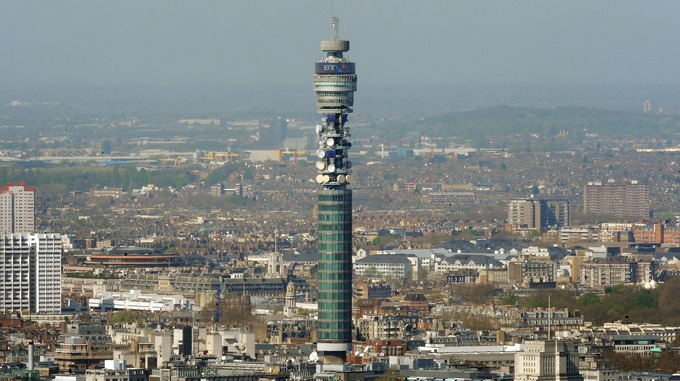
[(391, 266)]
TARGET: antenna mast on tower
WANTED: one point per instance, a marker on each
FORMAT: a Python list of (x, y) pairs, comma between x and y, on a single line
[(334, 26)]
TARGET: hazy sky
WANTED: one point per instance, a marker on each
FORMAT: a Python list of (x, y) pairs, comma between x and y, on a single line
[(124, 42)]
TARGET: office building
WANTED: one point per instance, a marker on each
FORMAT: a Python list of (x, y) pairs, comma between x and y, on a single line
[(537, 213), (30, 273), (334, 83), (624, 200), (17, 208), (549, 360)]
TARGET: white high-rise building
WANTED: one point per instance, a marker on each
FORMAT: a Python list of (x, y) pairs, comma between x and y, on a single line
[(30, 273), (551, 360), (17, 208)]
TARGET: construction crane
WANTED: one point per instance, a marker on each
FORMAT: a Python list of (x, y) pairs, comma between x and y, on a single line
[(295, 154), (224, 156), (175, 160)]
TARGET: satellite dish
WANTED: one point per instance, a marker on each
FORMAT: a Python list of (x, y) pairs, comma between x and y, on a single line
[(348, 164), (326, 178), (321, 153), (330, 142), (320, 165), (319, 129), (331, 167), (349, 178), (341, 179), (313, 356), (319, 179)]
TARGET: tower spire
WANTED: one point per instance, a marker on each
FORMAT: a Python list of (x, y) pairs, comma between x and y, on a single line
[(334, 26)]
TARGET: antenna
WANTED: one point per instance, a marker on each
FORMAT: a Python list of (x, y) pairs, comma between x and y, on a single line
[(334, 26)]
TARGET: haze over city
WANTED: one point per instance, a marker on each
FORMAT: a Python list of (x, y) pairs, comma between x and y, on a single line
[(495, 52)]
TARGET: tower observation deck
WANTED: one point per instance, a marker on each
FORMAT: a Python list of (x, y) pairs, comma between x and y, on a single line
[(335, 82)]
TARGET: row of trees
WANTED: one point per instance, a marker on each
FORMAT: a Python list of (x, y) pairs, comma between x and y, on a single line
[(62, 179), (627, 303), (666, 361)]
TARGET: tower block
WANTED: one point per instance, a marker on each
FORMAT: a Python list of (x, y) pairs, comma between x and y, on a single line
[(335, 82)]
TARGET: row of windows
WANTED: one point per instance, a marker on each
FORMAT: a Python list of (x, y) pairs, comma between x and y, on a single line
[(334, 267), (336, 102), (335, 276), (335, 238), (335, 297), (326, 256), (335, 287), (335, 247), (339, 208), (351, 85), (335, 208), (333, 217), (347, 227), (333, 258), (345, 197), (333, 320)]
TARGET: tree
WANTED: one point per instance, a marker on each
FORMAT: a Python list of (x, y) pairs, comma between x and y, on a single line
[(589, 298), (391, 375), (127, 317), (472, 293), (510, 298), (371, 272)]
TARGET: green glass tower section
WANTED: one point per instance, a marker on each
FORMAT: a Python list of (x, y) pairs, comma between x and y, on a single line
[(334, 83), (334, 246)]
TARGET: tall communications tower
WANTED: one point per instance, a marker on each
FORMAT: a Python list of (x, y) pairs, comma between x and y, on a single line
[(335, 82)]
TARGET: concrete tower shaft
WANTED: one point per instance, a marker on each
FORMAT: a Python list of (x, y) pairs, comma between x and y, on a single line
[(334, 83)]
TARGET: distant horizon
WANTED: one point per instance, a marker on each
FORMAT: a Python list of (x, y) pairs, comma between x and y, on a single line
[(371, 99)]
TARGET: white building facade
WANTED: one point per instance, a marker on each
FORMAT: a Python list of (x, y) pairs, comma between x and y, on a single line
[(550, 360), (30, 273)]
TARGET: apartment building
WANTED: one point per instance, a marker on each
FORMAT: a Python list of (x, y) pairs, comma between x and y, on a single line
[(17, 208), (537, 213), (629, 199), (30, 273)]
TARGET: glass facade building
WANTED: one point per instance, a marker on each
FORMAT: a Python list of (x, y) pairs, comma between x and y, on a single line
[(334, 246), (334, 84)]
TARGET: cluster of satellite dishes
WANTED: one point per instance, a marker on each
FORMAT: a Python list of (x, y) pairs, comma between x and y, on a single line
[(331, 152), (342, 179)]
